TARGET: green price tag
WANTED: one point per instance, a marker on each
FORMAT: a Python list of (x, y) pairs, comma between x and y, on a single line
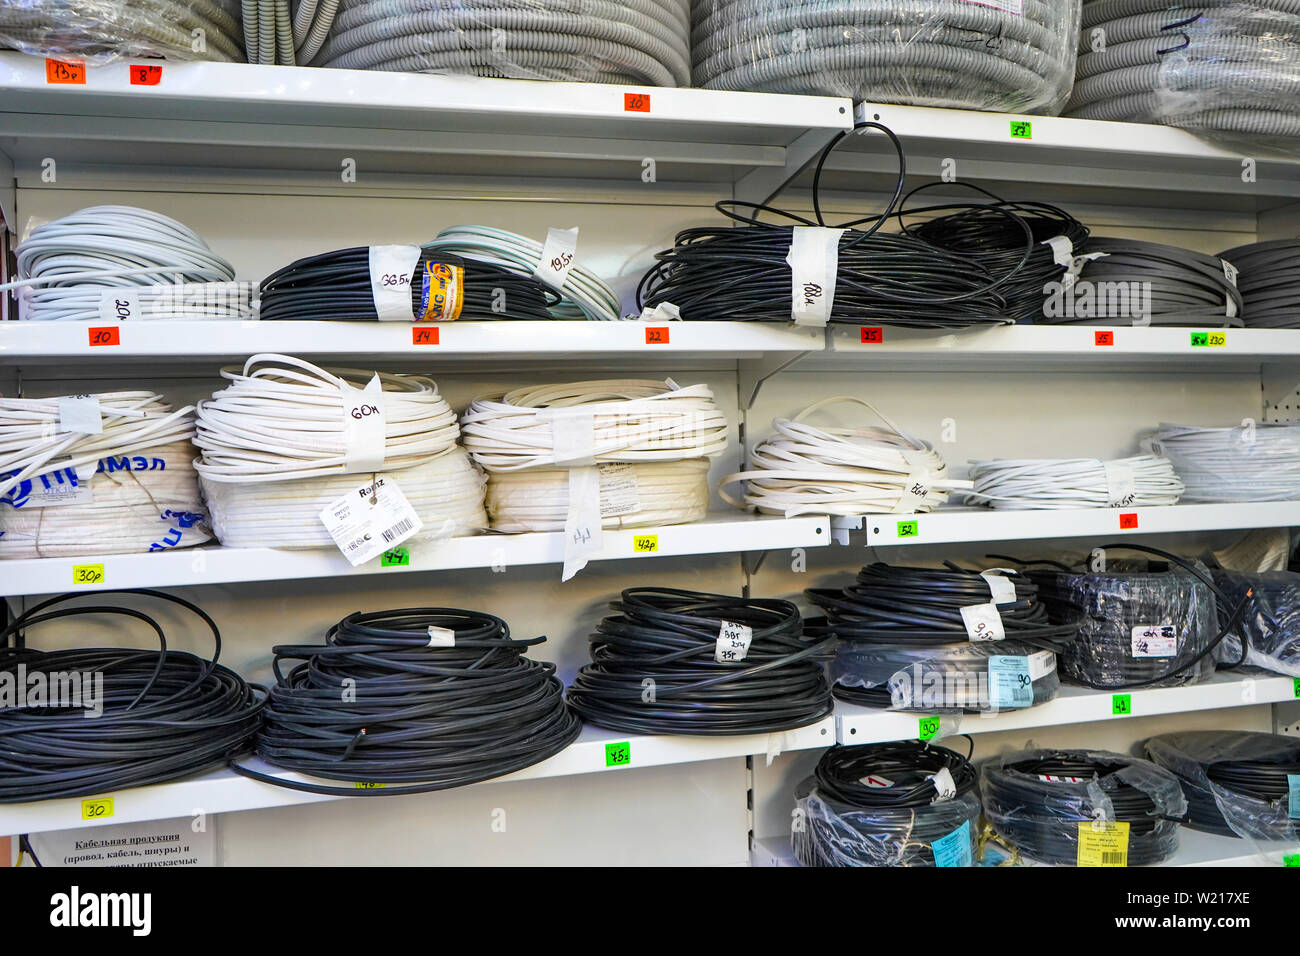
[(928, 727), (1021, 129), (1202, 340), (619, 754), (1121, 705), (907, 529), (1297, 687), (1291, 859), (396, 558)]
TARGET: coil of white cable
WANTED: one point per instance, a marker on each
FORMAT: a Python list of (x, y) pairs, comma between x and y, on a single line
[(1142, 481), (1253, 462), (805, 469)]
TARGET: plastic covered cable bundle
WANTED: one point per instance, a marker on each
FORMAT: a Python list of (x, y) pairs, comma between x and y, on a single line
[(1269, 280), (101, 31), (1011, 56), (889, 804), (685, 662), (153, 715), (1083, 808), (1253, 462), (804, 469), (1142, 481), (1270, 619), (275, 33), (434, 698), (598, 41)]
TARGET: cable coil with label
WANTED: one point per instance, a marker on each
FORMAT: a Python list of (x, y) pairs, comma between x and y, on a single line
[(1253, 462), (1142, 481), (1269, 280)]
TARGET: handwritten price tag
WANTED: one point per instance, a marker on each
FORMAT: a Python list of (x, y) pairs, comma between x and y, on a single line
[(1121, 705), (424, 336), (927, 727), (100, 809), (1128, 521), (145, 75), (872, 335), (1201, 340), (658, 335), (619, 754), (105, 336), (88, 574), (636, 102), (65, 72), (364, 785), (1103, 338), (645, 543), (908, 529)]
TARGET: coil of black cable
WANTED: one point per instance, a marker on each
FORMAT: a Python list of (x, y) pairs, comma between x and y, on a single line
[(1269, 280), (427, 698), (883, 805), (166, 714), (1036, 800), (656, 667), (337, 286)]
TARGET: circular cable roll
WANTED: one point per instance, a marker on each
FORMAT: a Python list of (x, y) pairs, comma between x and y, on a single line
[(803, 469), (584, 294), (684, 662), (633, 420), (601, 41), (1269, 281), (1037, 800), (1254, 462), (282, 419), (272, 36), (632, 496), (443, 698), (337, 286), (105, 32), (881, 805), (177, 302), (931, 53), (127, 717), (1142, 481)]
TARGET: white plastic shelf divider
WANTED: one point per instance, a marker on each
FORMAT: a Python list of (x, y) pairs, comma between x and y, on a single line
[(1075, 705), (224, 791), (216, 565)]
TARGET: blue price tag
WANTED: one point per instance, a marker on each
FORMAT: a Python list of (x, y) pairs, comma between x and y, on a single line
[(1010, 684), (1294, 780), (954, 849)]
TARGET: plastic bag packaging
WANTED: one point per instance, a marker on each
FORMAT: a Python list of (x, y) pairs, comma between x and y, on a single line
[(1012, 56), (1271, 619), (599, 41), (102, 31), (1037, 800), (1253, 462)]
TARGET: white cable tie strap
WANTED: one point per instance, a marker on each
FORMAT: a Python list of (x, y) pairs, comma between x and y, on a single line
[(391, 268), (558, 255), (1063, 255), (441, 637), (1002, 588), (1121, 484), (583, 536), (983, 622), (733, 643), (620, 492), (814, 261), (944, 785), (119, 305), (365, 426), (81, 414), (663, 312)]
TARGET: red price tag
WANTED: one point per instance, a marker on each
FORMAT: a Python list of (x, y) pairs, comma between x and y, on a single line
[(65, 71), (1103, 338), (1128, 520), (657, 335), (636, 102), (424, 335), (106, 335), (145, 75), (872, 335)]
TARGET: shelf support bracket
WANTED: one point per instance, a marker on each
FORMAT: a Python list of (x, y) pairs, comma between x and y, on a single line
[(8, 193), (760, 185)]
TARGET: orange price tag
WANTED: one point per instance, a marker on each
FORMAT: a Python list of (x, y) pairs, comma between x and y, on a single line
[(872, 335), (424, 335), (1103, 338), (65, 71), (1128, 520), (142, 75), (657, 335), (106, 335), (636, 102)]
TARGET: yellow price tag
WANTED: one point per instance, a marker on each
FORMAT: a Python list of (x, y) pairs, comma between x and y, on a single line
[(370, 786), (645, 543), (1103, 844), (100, 809), (87, 574)]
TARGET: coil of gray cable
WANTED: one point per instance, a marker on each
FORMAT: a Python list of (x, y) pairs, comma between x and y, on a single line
[(102, 31), (1218, 66), (599, 41), (1254, 462), (1269, 281), (949, 53), (274, 33)]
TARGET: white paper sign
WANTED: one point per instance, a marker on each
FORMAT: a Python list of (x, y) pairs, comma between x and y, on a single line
[(370, 520), (1155, 640), (391, 268), (983, 622), (733, 643), (365, 424), (583, 536), (814, 261), (620, 494), (80, 413), (119, 305), (558, 255), (182, 842)]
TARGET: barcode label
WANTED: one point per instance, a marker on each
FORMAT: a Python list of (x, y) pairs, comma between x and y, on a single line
[(400, 528), (1113, 858)]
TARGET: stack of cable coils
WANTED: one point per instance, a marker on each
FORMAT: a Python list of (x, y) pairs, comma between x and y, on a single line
[(131, 717), (1041, 801), (1269, 280), (104, 32), (931, 53), (1222, 66), (1237, 783), (941, 639), (416, 699), (1013, 484), (1131, 281), (684, 662), (1250, 462), (888, 804), (599, 41), (1270, 618), (273, 34)]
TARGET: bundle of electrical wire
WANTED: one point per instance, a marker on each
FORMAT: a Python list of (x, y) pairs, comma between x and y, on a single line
[(888, 804), (102, 31), (597, 41), (1253, 462), (1237, 783), (803, 469), (684, 662), (443, 698), (907, 643), (443, 287), (1270, 619), (1040, 801), (1142, 481), (67, 267), (583, 295), (1220, 67), (942, 53), (1269, 280), (152, 716), (274, 33)]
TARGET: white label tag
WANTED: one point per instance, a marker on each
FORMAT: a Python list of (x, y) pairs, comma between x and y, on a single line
[(370, 520), (915, 491), (441, 637), (80, 413), (1001, 588), (67, 486), (814, 261), (391, 268), (1230, 272), (733, 643), (1041, 663), (875, 781), (119, 305), (619, 492), (983, 622), (1014, 7), (582, 532), (663, 312), (1155, 640), (573, 436), (1121, 484), (558, 253), (944, 784), (365, 425)]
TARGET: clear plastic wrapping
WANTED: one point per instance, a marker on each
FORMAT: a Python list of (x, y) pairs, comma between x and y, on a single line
[(1253, 462), (1002, 55), (1271, 619), (829, 833)]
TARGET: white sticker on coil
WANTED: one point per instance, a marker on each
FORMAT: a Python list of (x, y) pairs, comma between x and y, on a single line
[(620, 494), (365, 427), (944, 785), (583, 536), (875, 781), (1230, 272), (80, 414), (814, 261), (1002, 589), (119, 305), (441, 637), (391, 268), (983, 622), (916, 489), (557, 258), (67, 486), (573, 436), (1041, 663), (733, 643), (663, 312), (1014, 7), (370, 519), (1121, 484), (1155, 640)]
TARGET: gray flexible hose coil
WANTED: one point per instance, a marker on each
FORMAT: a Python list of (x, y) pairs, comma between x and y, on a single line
[(1269, 280), (275, 34), (101, 31)]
